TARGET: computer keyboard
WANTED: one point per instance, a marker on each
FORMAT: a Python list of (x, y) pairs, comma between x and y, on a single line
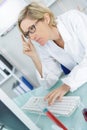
[(65, 107)]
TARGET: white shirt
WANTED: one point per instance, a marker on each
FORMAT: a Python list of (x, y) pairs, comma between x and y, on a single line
[(72, 26)]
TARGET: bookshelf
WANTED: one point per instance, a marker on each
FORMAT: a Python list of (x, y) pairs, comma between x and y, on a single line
[(10, 75), (12, 81)]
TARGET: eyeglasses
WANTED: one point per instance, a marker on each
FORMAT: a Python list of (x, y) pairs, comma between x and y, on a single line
[(31, 29)]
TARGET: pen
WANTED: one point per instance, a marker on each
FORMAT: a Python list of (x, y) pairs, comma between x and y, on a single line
[(54, 119)]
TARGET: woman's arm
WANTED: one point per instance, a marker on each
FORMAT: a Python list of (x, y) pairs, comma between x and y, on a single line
[(78, 77), (29, 49)]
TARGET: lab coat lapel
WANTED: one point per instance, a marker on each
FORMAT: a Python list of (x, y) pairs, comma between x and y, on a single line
[(71, 46), (61, 55), (63, 31)]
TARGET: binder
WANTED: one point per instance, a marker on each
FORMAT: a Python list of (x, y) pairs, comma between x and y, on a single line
[(24, 87), (27, 83), (21, 88)]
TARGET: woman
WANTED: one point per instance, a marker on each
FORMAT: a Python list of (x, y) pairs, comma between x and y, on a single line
[(61, 41)]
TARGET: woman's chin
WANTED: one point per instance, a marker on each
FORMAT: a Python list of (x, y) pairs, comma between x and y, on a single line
[(42, 43)]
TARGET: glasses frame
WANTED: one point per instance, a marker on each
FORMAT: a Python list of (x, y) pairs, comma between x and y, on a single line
[(26, 35)]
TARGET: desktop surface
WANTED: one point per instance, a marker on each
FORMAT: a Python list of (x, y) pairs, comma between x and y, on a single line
[(75, 122)]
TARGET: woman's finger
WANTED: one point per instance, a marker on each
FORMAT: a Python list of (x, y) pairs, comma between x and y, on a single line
[(53, 97), (48, 95)]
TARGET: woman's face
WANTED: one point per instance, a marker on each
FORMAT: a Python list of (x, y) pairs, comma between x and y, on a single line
[(38, 31)]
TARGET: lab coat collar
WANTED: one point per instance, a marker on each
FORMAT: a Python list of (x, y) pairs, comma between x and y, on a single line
[(63, 31), (60, 55)]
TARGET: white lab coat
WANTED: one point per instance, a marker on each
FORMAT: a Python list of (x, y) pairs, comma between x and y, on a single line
[(72, 26)]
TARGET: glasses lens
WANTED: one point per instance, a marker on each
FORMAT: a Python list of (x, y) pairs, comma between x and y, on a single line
[(32, 29)]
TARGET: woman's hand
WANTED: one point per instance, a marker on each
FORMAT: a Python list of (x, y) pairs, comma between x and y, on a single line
[(28, 47), (57, 94)]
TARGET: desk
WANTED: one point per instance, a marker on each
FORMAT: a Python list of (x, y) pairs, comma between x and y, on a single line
[(74, 122)]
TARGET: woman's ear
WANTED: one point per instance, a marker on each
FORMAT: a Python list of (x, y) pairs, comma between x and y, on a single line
[(47, 18)]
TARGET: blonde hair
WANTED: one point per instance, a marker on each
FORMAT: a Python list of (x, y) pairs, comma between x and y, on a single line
[(35, 11)]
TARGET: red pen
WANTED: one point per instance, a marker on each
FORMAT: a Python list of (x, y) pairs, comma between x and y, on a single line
[(54, 119)]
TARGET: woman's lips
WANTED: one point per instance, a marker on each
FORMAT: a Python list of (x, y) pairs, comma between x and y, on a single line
[(39, 39)]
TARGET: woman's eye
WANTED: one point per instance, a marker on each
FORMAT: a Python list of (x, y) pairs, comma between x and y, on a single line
[(32, 27)]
